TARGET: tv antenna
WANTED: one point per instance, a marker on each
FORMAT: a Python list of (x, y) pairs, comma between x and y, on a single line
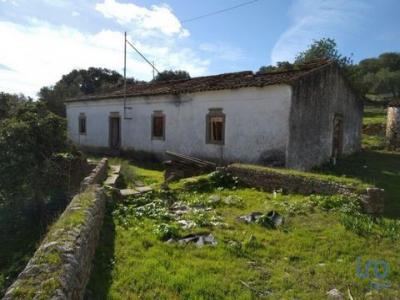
[(127, 42)]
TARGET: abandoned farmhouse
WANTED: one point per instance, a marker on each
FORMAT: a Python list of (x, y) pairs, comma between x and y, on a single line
[(297, 119)]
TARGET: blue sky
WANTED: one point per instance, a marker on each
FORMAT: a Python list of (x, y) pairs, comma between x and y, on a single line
[(43, 39)]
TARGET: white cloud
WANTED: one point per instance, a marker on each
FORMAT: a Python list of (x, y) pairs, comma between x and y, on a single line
[(317, 19), (38, 55), (58, 3), (13, 2), (75, 14), (223, 51), (159, 18)]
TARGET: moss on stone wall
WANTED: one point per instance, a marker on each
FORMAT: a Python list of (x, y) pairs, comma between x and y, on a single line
[(61, 266)]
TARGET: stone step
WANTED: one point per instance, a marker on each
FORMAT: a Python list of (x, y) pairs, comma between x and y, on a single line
[(111, 180), (129, 192), (115, 169), (134, 191), (143, 189)]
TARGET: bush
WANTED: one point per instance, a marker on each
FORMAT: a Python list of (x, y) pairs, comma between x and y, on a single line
[(223, 179), (28, 141)]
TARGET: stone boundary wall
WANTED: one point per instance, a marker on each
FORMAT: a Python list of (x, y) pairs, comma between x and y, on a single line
[(98, 174), (60, 267), (393, 127), (371, 198)]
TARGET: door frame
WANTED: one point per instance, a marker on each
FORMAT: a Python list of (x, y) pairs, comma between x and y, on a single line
[(337, 150), (114, 115)]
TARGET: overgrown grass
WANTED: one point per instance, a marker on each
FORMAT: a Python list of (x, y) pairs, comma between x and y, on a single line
[(373, 142), (359, 184), (313, 252), (380, 168), (149, 173), (374, 115)]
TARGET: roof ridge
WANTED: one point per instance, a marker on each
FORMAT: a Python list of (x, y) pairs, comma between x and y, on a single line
[(222, 81)]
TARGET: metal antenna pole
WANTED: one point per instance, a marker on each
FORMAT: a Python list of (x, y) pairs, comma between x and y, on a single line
[(134, 48), (153, 69), (125, 76)]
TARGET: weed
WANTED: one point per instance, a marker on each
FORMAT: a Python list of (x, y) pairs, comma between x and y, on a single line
[(252, 243), (166, 231), (224, 180), (390, 228), (345, 203), (358, 223)]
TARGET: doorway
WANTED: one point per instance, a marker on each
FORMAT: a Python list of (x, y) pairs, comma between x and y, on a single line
[(337, 142), (115, 131)]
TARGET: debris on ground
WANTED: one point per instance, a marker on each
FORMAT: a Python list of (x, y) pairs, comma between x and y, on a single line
[(179, 208), (198, 239), (187, 224), (335, 294), (250, 218), (270, 220), (182, 166)]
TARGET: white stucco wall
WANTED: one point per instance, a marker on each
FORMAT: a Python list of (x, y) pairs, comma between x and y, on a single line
[(256, 122)]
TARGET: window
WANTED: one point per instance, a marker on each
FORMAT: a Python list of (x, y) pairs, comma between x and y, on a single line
[(215, 127), (158, 126), (82, 124)]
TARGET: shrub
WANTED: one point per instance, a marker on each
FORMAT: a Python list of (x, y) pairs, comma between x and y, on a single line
[(223, 179)]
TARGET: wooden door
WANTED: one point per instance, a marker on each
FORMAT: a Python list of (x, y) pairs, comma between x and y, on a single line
[(337, 143), (115, 132)]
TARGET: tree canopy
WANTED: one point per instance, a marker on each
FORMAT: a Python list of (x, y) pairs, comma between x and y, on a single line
[(323, 49), (77, 83), (171, 75), (9, 103), (27, 140), (381, 75)]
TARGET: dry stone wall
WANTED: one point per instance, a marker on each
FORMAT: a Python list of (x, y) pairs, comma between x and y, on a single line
[(60, 268), (393, 127), (371, 198), (98, 174)]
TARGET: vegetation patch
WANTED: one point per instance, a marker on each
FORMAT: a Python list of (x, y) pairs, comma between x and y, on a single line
[(45, 272), (314, 251), (341, 180)]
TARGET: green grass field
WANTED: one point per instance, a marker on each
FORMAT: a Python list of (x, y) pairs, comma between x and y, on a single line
[(315, 250), (374, 115)]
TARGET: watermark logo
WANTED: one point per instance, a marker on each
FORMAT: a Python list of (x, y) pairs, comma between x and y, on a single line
[(380, 270)]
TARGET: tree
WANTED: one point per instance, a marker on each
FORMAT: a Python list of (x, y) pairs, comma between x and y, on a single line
[(323, 49), (380, 75), (390, 61), (77, 83), (387, 81), (9, 103), (28, 139), (280, 66), (171, 75)]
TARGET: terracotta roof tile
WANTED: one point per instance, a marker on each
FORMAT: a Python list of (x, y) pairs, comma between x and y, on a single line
[(205, 83)]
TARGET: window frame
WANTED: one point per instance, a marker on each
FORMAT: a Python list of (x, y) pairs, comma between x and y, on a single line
[(82, 117), (158, 114), (215, 112)]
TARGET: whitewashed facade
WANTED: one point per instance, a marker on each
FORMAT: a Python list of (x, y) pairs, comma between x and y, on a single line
[(256, 123), (297, 119)]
